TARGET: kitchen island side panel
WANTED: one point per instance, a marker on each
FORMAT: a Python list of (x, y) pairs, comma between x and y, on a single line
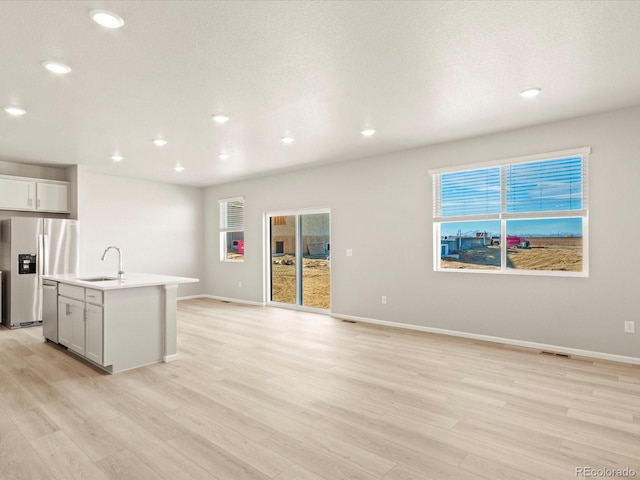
[(133, 327)]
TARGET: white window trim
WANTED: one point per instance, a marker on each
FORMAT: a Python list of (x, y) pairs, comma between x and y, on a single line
[(559, 155), (224, 230), (584, 152)]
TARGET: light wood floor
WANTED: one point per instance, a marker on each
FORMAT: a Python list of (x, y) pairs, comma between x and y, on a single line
[(263, 393)]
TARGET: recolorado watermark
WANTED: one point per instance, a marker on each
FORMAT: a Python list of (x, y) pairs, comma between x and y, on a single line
[(606, 472)]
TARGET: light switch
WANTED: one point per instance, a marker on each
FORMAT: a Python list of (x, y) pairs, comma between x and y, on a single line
[(349, 252)]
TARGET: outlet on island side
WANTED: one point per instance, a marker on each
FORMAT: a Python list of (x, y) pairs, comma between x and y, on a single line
[(629, 326), (384, 299), (239, 284)]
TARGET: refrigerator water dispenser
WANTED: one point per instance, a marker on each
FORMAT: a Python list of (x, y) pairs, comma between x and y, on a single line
[(26, 263)]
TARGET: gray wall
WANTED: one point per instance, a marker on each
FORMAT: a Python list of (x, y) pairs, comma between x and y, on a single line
[(33, 171), (381, 208), (158, 226)]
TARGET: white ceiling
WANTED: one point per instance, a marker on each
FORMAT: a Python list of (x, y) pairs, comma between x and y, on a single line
[(417, 72)]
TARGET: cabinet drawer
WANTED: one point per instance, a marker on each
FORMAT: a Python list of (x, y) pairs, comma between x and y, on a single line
[(71, 291), (93, 296)]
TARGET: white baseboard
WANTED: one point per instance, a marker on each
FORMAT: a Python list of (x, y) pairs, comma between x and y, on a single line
[(231, 300), (170, 358), (189, 297), (487, 338)]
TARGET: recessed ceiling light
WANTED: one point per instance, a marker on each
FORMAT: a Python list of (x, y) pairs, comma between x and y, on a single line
[(58, 68), (220, 118), (287, 139), (178, 168), (160, 142), (530, 92), (368, 132), (106, 19), (224, 156), (117, 157), (15, 111)]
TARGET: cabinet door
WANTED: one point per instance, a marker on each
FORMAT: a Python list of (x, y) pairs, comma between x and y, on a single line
[(94, 333), (64, 322), (17, 194), (52, 197), (71, 325)]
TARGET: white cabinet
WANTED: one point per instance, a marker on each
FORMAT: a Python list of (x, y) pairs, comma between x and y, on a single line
[(52, 197), (19, 193), (71, 324), (64, 322), (93, 344), (95, 325), (127, 324), (80, 321)]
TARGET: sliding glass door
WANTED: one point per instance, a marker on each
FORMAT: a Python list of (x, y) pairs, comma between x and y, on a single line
[(316, 266), (299, 267), (284, 255)]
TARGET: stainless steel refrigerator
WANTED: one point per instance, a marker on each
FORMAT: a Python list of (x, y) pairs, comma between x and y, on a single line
[(31, 247)]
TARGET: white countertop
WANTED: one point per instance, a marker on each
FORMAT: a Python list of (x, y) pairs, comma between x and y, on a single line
[(131, 280)]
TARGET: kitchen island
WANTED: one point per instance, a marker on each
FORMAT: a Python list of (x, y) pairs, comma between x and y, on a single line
[(116, 324)]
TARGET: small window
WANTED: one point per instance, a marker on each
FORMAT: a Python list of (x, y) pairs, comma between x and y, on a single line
[(232, 230), (525, 215)]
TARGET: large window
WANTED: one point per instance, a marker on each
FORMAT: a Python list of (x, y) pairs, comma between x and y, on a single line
[(232, 229), (526, 215)]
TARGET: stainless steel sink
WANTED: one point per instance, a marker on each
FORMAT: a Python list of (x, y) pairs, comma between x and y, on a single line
[(97, 279)]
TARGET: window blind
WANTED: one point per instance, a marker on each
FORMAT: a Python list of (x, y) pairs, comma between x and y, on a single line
[(467, 193), (232, 215), (545, 186)]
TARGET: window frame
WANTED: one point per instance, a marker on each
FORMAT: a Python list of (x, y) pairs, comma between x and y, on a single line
[(503, 216), (226, 228)]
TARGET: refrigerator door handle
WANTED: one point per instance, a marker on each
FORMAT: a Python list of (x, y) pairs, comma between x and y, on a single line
[(44, 245), (42, 241)]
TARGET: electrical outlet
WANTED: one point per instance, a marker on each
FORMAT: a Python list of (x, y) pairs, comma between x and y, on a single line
[(629, 326), (384, 299), (239, 284), (349, 252)]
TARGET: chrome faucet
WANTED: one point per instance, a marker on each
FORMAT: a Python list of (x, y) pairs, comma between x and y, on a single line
[(120, 268)]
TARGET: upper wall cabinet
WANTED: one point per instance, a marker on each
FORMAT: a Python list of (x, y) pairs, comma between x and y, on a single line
[(17, 193), (52, 197)]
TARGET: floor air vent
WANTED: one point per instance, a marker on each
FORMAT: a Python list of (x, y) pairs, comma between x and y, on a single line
[(563, 355)]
